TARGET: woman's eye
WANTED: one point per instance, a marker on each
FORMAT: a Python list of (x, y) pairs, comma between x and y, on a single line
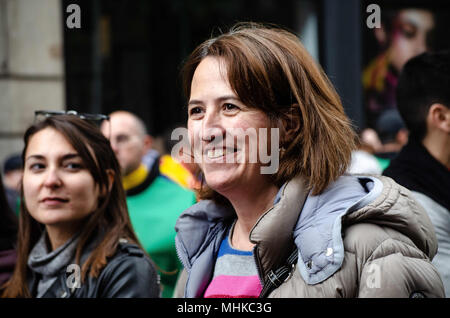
[(409, 30), (36, 166), (74, 166), (230, 107), (195, 111)]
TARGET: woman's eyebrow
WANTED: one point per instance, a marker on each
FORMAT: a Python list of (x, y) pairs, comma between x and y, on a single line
[(70, 156), (195, 102), (37, 157), (228, 97), (220, 99), (65, 157)]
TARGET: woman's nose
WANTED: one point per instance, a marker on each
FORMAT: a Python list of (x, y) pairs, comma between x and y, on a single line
[(212, 127), (52, 179)]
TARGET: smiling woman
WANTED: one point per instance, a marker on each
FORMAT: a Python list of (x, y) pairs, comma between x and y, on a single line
[(306, 229), (73, 215)]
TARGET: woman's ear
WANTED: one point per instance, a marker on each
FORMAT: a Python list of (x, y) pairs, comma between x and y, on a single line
[(110, 174), (290, 124)]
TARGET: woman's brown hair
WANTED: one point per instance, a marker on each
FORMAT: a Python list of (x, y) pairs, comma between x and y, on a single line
[(110, 221), (268, 68)]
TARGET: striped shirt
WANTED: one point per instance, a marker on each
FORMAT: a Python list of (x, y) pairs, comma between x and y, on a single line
[(235, 274)]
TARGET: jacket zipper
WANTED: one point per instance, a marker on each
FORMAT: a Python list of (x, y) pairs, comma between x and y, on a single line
[(184, 266), (179, 256), (184, 263), (258, 265)]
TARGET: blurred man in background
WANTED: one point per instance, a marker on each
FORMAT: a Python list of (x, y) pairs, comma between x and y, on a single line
[(423, 165), (154, 202)]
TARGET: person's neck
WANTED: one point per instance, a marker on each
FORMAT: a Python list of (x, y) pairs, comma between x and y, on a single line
[(249, 206), (438, 145), (58, 235), (391, 147)]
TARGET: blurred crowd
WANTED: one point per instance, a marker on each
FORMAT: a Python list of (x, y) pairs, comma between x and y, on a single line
[(407, 139)]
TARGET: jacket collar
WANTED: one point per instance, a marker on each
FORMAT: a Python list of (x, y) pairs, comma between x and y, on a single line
[(311, 223), (318, 231), (272, 233), (59, 287)]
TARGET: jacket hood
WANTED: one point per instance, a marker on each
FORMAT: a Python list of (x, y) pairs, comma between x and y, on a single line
[(396, 208), (351, 200), (313, 223)]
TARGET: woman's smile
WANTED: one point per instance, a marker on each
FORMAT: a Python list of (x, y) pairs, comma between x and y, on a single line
[(218, 153)]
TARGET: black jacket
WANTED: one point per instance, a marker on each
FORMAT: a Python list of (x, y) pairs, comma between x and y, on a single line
[(416, 169), (128, 274)]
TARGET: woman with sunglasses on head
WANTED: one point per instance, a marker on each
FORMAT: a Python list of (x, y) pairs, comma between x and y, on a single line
[(75, 237), (294, 226)]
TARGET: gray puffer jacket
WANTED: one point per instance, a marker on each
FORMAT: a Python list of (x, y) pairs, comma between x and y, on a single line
[(362, 237)]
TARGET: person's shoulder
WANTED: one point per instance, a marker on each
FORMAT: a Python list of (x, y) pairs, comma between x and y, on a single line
[(129, 266), (129, 253), (393, 218), (126, 248), (427, 201), (438, 214), (371, 241)]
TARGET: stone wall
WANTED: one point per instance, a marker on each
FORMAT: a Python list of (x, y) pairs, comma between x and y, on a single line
[(31, 66)]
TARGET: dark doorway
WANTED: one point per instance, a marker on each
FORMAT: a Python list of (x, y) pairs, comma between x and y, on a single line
[(127, 54)]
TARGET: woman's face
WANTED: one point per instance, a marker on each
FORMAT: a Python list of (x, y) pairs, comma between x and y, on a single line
[(224, 133), (58, 188), (410, 35)]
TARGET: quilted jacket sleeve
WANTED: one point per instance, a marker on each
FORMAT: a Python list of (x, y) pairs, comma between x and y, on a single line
[(393, 267), (396, 275)]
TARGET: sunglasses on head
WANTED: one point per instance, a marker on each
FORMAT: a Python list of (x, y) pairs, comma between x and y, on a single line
[(40, 115), (95, 119)]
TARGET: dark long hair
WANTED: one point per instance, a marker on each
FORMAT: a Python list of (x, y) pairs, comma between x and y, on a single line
[(110, 220), (8, 221)]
